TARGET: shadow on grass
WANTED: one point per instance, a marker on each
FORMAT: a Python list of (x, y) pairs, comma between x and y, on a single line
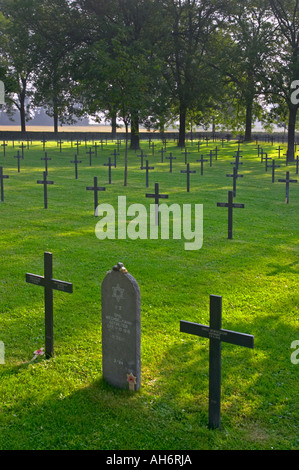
[(171, 409)]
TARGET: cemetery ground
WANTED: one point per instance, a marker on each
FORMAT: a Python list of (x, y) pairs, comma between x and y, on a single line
[(63, 402)]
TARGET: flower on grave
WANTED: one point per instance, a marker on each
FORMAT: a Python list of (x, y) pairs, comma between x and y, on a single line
[(38, 352), (131, 379)]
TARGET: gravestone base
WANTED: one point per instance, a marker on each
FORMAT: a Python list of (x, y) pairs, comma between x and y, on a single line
[(121, 329)]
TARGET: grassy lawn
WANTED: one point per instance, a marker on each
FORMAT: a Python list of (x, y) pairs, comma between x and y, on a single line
[(63, 403)]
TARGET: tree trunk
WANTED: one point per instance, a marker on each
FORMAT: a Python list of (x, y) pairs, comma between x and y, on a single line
[(113, 125), (291, 133), (182, 130), (134, 132), (22, 97), (22, 112), (55, 117), (126, 157), (248, 128)]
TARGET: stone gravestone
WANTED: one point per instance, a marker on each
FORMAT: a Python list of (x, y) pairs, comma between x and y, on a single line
[(121, 330)]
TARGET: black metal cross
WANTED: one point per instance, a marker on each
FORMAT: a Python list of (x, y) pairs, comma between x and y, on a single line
[(202, 160), (279, 150), (22, 147), (96, 149), (110, 165), (157, 196), (2, 176), (44, 143), (46, 159), (45, 183), (216, 153), (114, 154), (287, 181), (231, 205), (258, 150), (59, 142), (266, 161), (153, 145), (188, 171), (90, 152), (95, 188), (76, 161), (49, 284), (273, 166), (4, 145), (170, 158), (142, 156), (237, 160), (185, 153), (216, 335), (146, 168), (235, 176), (19, 158), (77, 144), (162, 150)]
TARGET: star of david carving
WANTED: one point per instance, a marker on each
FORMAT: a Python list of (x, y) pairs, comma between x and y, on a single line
[(118, 293)]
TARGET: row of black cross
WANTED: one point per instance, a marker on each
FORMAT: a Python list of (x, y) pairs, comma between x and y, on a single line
[(273, 166), (230, 204)]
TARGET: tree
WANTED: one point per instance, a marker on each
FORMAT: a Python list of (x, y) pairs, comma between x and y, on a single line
[(19, 50), (189, 28), (56, 26), (286, 65), (249, 43)]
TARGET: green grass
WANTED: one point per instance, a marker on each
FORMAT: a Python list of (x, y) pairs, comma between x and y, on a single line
[(63, 403)]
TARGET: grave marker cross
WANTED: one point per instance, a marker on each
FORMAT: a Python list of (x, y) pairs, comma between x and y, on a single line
[(45, 183), (188, 171), (142, 157), (279, 150), (59, 142), (49, 284), (77, 145), (231, 205), (185, 153), (110, 165), (2, 176), (162, 151), (202, 160), (235, 176), (216, 335), (266, 161), (273, 166), (4, 145), (114, 154), (44, 141), (19, 158), (76, 161), (157, 196), (90, 152), (287, 181), (22, 147), (170, 158), (147, 168), (95, 188), (46, 159)]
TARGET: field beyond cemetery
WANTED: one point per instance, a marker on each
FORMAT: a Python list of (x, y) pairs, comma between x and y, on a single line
[(64, 403)]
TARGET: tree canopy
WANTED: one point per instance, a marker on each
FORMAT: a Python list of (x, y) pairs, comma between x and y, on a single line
[(153, 62)]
